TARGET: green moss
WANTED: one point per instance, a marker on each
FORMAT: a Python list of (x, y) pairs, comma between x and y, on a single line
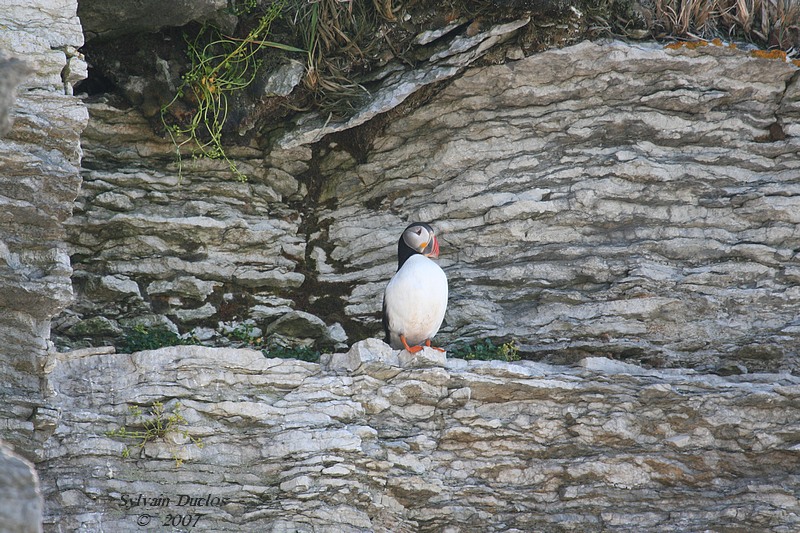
[(486, 350), (302, 353), (141, 337)]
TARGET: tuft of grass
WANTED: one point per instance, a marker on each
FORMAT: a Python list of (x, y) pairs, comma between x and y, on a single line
[(770, 23), (486, 350), (154, 425), (340, 38), (141, 337)]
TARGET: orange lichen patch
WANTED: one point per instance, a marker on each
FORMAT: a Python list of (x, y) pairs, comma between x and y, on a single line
[(769, 54), (691, 45), (716, 42), (732, 45), (796, 62)]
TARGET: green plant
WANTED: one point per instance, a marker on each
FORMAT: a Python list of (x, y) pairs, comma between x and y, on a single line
[(303, 353), (220, 66), (142, 337), (243, 7), (486, 350), (156, 425), (243, 333)]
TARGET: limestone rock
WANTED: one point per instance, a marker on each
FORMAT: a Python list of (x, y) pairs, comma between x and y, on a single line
[(97, 326), (39, 156), (367, 445), (12, 70), (283, 80), (369, 355), (602, 199), (298, 324), (21, 506), (624, 219), (427, 357), (399, 86), (196, 259), (120, 286), (105, 19), (186, 286), (113, 201)]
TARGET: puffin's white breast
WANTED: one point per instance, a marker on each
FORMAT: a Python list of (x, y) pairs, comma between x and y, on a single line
[(416, 299)]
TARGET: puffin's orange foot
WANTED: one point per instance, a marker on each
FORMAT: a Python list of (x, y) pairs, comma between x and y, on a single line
[(410, 349), (428, 344)]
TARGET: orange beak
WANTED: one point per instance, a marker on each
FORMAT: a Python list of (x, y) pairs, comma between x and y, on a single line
[(434, 253)]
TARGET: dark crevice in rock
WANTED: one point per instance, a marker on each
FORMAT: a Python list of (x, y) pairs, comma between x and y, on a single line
[(95, 83)]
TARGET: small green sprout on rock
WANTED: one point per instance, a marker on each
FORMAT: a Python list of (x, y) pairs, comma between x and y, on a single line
[(156, 424)]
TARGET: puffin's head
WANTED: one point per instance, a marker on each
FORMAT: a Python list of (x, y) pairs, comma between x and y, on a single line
[(420, 237)]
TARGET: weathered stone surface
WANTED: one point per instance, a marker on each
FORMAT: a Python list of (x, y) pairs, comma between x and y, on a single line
[(12, 70), (603, 198), (285, 78), (200, 248), (21, 505), (299, 325), (39, 158), (470, 446), (398, 86), (105, 19)]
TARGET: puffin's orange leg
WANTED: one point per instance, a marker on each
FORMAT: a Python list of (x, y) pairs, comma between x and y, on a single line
[(410, 349), (428, 344)]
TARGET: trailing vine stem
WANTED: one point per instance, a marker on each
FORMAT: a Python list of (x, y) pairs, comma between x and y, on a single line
[(219, 68)]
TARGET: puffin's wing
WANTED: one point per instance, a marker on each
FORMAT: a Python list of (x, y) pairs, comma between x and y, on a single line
[(387, 340)]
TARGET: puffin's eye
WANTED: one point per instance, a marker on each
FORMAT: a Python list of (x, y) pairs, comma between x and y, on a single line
[(419, 231)]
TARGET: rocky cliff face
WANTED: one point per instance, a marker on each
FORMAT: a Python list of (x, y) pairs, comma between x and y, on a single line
[(40, 160), (40, 126), (602, 198), (376, 440)]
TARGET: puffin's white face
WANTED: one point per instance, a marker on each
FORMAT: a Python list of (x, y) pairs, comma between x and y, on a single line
[(421, 240)]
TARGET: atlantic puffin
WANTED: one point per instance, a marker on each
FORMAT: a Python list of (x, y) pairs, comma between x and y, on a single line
[(415, 299)]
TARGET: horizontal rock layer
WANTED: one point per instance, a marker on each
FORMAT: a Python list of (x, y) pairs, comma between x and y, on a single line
[(377, 440), (187, 248)]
